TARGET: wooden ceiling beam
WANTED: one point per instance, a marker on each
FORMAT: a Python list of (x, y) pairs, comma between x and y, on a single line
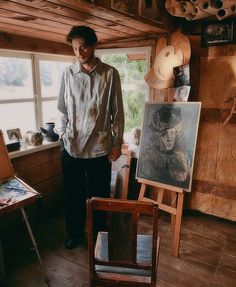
[(45, 9), (111, 15), (26, 31), (34, 26), (21, 43), (130, 43), (52, 20)]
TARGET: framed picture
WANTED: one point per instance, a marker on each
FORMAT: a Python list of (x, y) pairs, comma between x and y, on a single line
[(182, 93), (167, 146), (14, 134), (218, 33)]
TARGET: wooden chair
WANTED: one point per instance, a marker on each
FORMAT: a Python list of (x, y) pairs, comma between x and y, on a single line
[(122, 256)]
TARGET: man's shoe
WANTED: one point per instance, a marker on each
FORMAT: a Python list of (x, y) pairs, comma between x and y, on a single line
[(71, 242)]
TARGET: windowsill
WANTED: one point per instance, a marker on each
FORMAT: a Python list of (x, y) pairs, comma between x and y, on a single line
[(32, 149)]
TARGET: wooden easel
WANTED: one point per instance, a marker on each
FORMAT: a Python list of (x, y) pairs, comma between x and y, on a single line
[(175, 208), (7, 173)]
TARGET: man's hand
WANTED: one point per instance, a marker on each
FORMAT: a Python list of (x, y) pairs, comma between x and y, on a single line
[(114, 154)]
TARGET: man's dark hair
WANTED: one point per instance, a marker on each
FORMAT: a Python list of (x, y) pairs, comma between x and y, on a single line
[(85, 32)]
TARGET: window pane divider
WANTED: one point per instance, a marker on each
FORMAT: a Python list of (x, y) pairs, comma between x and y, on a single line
[(13, 101)]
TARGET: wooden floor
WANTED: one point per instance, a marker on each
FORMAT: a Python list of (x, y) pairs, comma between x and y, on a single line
[(207, 255)]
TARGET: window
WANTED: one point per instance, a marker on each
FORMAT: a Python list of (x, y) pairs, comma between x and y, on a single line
[(29, 86), (50, 74), (132, 64), (30, 83)]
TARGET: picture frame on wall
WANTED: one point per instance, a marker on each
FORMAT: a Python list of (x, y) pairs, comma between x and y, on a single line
[(215, 33)]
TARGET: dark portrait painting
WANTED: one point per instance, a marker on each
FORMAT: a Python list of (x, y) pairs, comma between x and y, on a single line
[(168, 140)]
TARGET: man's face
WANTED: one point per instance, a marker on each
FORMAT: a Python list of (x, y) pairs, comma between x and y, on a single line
[(84, 53)]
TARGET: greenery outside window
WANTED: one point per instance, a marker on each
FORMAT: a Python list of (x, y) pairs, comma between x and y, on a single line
[(132, 64)]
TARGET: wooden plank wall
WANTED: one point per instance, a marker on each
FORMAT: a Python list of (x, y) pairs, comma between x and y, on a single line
[(213, 78)]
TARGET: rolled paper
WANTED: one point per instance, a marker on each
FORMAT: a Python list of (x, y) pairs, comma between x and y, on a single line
[(217, 4), (183, 8), (168, 5), (176, 11), (205, 6), (195, 1), (171, 3), (194, 10), (199, 15), (189, 16), (187, 7), (224, 13), (228, 3), (233, 8)]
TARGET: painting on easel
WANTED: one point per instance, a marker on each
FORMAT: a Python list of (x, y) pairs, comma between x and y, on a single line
[(168, 140)]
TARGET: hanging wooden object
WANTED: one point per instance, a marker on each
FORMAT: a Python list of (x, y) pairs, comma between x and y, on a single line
[(170, 52)]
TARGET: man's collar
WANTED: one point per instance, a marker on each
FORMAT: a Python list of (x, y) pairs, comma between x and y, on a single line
[(77, 67)]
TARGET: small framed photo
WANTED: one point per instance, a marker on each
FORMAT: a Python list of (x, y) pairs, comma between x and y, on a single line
[(14, 134), (181, 76), (182, 94), (218, 33)]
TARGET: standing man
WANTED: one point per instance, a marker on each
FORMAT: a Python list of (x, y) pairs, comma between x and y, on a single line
[(92, 125)]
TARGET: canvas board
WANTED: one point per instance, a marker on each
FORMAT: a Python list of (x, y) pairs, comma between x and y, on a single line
[(168, 143)]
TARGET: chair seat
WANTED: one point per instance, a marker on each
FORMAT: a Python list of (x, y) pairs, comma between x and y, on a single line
[(144, 253), (121, 256)]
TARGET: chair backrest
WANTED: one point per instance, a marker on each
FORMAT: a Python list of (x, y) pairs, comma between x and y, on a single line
[(123, 254)]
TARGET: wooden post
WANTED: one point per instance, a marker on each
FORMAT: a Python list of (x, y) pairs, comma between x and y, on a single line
[(175, 209), (178, 221)]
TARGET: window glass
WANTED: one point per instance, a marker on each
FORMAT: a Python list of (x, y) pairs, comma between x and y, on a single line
[(131, 71), (50, 76), (49, 110), (13, 115), (15, 78), (133, 108), (132, 68)]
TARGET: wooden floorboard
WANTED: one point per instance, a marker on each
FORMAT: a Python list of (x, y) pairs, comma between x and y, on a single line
[(207, 254)]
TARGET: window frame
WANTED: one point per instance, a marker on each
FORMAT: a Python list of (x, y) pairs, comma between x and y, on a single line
[(37, 98)]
